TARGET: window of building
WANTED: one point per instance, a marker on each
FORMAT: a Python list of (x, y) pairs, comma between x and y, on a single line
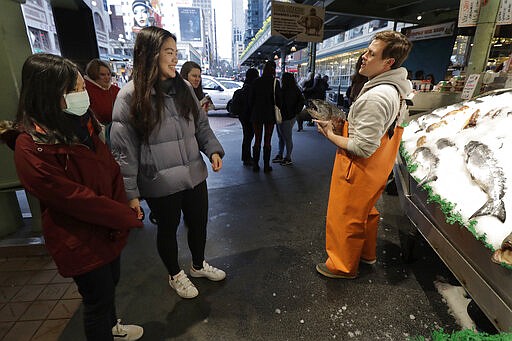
[(39, 40), (98, 22)]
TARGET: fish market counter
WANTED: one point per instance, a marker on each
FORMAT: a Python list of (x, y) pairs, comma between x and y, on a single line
[(426, 101), (489, 284)]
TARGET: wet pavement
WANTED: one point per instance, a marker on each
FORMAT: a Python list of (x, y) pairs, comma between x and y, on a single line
[(267, 231)]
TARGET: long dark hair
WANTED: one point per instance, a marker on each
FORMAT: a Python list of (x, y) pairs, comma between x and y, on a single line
[(185, 70), (288, 81), (146, 78), (356, 76), (45, 78), (251, 75)]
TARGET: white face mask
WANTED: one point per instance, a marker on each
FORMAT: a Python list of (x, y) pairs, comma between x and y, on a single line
[(77, 103)]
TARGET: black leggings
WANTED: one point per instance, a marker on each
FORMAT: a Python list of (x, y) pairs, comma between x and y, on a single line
[(167, 211), (258, 134), (97, 288)]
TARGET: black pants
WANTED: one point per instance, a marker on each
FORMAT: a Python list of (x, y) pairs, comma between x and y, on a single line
[(248, 133), (258, 134), (167, 211), (97, 288)]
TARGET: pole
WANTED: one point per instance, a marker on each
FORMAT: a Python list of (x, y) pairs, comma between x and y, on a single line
[(483, 37)]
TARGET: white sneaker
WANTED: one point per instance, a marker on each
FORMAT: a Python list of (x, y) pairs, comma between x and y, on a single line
[(128, 332), (208, 271), (183, 286)]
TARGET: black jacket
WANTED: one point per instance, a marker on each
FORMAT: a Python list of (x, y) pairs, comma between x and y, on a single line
[(292, 102), (261, 100)]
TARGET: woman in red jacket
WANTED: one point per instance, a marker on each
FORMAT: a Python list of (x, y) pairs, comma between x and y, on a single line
[(61, 161), (102, 93)]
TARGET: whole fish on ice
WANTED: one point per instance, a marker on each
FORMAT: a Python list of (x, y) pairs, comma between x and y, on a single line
[(488, 175), (427, 164)]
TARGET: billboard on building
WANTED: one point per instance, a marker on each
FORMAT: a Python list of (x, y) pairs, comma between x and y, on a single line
[(190, 23), (146, 13)]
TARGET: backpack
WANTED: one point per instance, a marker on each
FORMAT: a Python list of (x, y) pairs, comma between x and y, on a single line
[(238, 101)]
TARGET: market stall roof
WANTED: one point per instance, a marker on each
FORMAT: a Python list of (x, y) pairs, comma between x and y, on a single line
[(343, 15)]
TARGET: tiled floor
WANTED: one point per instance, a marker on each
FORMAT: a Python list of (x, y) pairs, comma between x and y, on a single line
[(36, 302)]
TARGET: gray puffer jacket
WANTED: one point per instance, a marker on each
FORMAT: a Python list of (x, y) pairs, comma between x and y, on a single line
[(172, 161)]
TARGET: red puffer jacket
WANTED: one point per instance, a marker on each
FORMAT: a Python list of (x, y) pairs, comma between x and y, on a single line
[(85, 215)]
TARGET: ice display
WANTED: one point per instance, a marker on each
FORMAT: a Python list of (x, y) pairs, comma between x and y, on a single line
[(464, 153)]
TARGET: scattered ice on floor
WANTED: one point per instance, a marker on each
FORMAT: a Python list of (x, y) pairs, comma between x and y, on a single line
[(301, 321), (351, 334), (455, 298), (412, 317), (274, 294), (278, 311)]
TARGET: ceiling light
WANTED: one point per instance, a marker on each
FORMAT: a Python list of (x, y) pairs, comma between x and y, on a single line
[(293, 49), (419, 17), (276, 56)]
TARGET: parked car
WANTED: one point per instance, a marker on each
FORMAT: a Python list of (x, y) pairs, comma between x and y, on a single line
[(219, 93), (230, 83)]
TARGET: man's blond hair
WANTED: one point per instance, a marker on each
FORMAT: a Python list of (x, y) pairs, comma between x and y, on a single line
[(397, 47)]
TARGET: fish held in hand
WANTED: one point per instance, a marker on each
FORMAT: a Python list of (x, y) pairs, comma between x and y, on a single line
[(484, 169), (324, 111)]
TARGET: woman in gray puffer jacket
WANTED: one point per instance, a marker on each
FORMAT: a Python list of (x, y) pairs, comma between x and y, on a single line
[(158, 132)]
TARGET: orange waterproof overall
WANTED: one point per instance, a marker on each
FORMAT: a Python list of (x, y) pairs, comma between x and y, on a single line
[(352, 219)]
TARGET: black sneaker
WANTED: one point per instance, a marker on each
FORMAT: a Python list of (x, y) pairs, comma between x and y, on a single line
[(286, 162), (278, 159)]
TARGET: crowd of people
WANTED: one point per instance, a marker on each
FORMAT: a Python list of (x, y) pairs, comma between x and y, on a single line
[(90, 152)]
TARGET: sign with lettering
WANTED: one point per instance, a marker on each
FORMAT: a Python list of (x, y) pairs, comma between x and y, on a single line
[(430, 32), (470, 86), (300, 22), (505, 13), (468, 12)]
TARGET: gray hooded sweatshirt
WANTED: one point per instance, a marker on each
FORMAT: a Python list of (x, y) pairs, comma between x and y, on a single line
[(375, 109)]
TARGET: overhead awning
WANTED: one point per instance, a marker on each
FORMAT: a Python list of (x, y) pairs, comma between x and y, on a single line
[(342, 16)]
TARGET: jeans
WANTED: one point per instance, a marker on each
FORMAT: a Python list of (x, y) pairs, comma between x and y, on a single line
[(167, 211), (284, 132), (97, 288)]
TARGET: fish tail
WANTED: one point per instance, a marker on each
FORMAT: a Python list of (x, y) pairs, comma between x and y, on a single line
[(427, 179), (494, 208)]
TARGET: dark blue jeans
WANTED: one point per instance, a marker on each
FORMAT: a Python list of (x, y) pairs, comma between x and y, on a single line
[(97, 288)]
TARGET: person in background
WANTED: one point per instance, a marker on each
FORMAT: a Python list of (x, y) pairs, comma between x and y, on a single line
[(292, 102), (366, 154), (307, 87), (245, 116), (419, 75), (158, 134), (102, 93), (261, 102), (430, 78), (357, 82), (191, 71), (60, 159)]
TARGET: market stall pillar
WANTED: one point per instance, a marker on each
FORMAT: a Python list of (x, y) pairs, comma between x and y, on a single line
[(483, 36)]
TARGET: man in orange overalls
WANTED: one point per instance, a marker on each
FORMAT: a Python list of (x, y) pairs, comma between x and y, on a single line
[(366, 153)]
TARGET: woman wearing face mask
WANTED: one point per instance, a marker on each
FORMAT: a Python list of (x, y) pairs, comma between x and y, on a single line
[(158, 134), (191, 72), (61, 161)]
